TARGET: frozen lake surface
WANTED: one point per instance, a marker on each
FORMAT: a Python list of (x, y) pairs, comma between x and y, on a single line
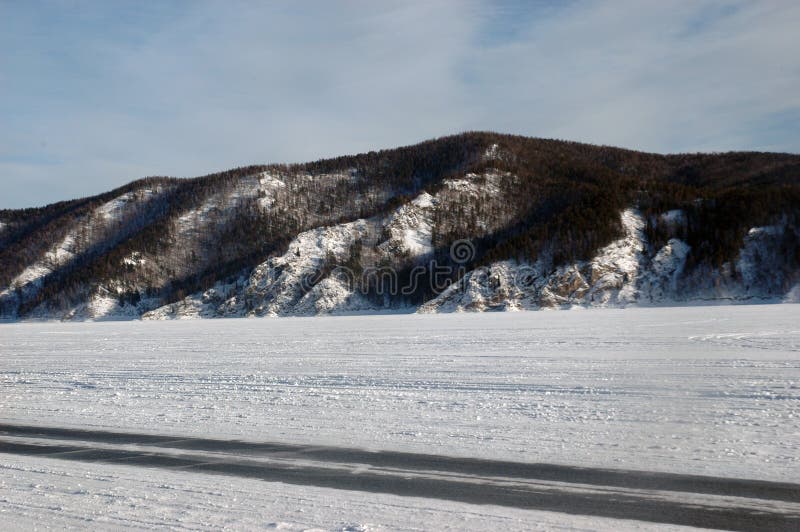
[(700, 390)]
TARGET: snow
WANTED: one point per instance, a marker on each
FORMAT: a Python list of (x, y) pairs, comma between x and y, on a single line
[(114, 210), (661, 282), (465, 185), (79, 237), (59, 255), (709, 390), (30, 275), (66, 495), (282, 282), (191, 221), (62, 253), (627, 272), (615, 269), (411, 228), (481, 185), (268, 184), (103, 305), (488, 288), (283, 285), (491, 152), (610, 279), (135, 259), (218, 207), (423, 201), (290, 285), (329, 296)]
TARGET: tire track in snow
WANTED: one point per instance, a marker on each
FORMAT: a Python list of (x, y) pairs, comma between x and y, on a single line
[(734, 504)]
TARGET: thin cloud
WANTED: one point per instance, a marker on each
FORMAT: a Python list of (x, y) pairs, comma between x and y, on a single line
[(93, 98)]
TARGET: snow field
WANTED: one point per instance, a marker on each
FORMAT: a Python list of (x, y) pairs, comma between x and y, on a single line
[(702, 390)]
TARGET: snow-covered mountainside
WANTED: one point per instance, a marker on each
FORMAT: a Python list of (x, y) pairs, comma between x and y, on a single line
[(626, 272), (473, 222), (629, 271)]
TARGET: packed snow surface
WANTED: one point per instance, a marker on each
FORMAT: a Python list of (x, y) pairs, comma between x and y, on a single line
[(67, 495), (712, 390), (694, 390)]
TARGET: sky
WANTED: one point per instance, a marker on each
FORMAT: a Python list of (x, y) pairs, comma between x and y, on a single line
[(96, 94)]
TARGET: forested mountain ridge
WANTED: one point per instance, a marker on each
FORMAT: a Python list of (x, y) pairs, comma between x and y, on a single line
[(540, 223)]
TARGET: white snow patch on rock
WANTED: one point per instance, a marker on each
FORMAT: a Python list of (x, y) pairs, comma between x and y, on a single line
[(610, 279), (115, 209), (471, 184), (411, 228), (268, 185), (623, 274), (614, 271), (332, 295), (112, 210), (291, 284), (462, 185), (501, 286), (135, 259), (278, 285), (660, 280)]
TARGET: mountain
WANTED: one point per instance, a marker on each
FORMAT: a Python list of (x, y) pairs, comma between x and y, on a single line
[(477, 221)]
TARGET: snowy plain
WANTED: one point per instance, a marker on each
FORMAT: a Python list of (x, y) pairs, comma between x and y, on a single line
[(695, 390)]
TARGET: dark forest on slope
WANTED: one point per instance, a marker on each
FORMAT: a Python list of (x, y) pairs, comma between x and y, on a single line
[(560, 197)]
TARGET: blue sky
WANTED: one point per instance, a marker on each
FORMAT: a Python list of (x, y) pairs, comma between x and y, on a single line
[(96, 94)]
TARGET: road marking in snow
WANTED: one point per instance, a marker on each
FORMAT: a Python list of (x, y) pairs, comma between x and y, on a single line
[(734, 504)]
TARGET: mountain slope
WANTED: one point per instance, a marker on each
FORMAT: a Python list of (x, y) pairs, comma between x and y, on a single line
[(475, 221)]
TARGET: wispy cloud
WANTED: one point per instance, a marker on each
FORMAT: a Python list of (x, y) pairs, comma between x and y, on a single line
[(96, 94)]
